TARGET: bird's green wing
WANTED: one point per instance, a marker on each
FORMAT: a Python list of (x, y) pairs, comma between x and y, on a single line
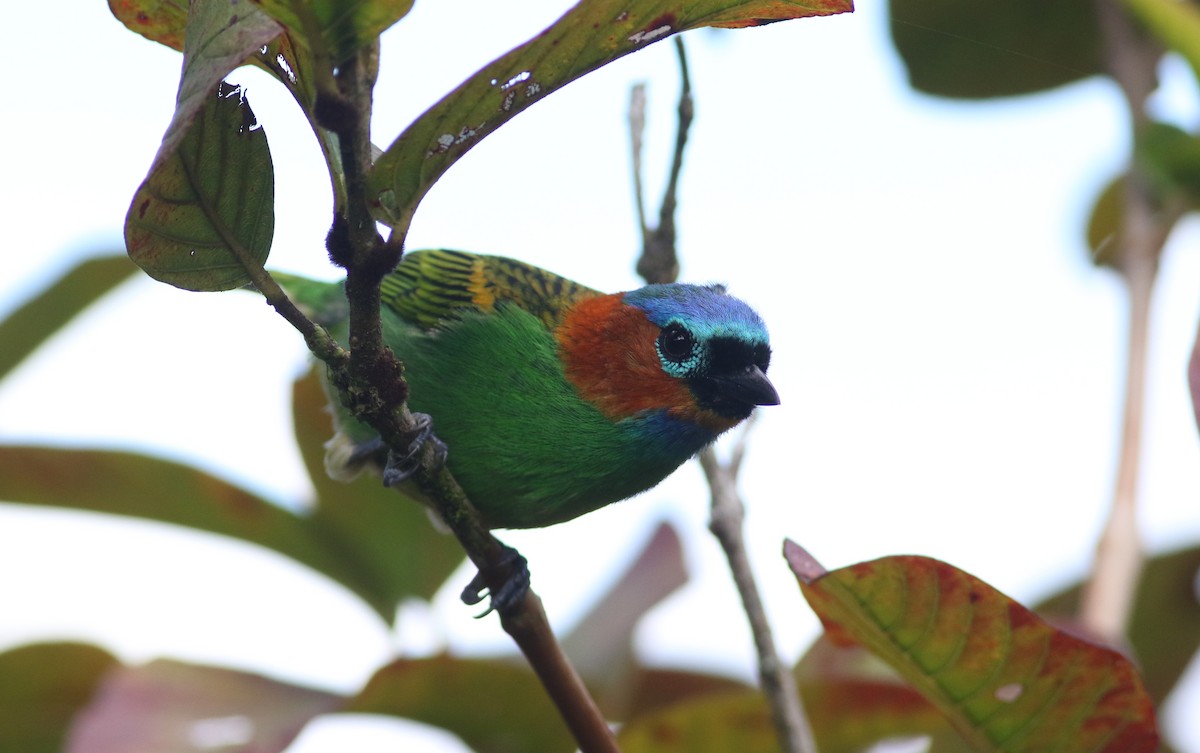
[(430, 286)]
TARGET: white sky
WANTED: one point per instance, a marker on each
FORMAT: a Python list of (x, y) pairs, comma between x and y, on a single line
[(950, 364)]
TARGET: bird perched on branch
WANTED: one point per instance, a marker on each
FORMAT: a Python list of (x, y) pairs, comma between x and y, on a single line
[(554, 399)]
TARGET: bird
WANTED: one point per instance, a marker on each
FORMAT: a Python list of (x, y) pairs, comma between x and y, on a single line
[(552, 398)]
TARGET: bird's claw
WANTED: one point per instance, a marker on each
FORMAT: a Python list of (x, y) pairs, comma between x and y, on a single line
[(400, 468), (509, 595)]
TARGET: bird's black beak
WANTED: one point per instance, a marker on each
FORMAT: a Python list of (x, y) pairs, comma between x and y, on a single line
[(749, 387)]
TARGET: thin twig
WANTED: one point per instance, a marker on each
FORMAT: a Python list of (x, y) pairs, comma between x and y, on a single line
[(659, 263), (637, 133), (778, 683)]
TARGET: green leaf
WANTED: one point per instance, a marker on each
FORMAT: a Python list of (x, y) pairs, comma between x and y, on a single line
[(592, 34), (1170, 159), (42, 687), (385, 537), (336, 28), (173, 707), (494, 706), (129, 484), (736, 722), (1007, 680), (1104, 224), (40, 317), (205, 209), (975, 50), (370, 539), (1176, 24), (207, 205)]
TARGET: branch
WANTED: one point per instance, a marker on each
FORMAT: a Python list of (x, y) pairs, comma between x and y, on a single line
[(1108, 595), (373, 384), (658, 263)]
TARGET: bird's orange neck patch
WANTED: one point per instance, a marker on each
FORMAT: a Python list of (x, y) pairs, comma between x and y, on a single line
[(609, 354)]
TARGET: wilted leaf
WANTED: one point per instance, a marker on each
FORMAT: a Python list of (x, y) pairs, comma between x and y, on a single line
[(718, 724), (385, 537), (207, 203), (339, 27), (494, 706), (172, 707), (33, 323), (1005, 679), (42, 687), (972, 50), (591, 34)]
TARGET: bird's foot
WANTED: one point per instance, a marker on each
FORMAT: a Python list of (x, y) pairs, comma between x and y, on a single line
[(400, 468), (509, 595)]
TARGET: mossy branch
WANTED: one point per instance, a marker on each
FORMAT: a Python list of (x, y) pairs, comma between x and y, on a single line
[(371, 378)]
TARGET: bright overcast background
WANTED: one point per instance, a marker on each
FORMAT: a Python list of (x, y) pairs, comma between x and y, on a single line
[(950, 363)]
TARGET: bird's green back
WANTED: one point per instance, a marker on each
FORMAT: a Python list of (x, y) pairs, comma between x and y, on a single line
[(432, 286)]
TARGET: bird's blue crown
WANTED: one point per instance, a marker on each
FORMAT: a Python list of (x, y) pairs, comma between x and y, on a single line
[(707, 310)]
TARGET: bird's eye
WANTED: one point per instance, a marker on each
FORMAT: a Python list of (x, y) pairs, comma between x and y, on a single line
[(676, 343)]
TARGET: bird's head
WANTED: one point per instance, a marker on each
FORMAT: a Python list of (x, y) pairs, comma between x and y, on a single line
[(693, 351)]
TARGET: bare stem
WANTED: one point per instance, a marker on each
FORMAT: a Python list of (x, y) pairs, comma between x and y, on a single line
[(1108, 595), (658, 263), (778, 683)]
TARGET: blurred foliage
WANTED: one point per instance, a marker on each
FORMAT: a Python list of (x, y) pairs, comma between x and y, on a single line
[(966, 662)]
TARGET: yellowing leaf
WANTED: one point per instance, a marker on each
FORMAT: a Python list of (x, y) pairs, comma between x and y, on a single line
[(161, 21)]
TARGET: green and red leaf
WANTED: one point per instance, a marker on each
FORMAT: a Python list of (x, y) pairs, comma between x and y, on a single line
[(590, 35), (1006, 679), (494, 706)]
